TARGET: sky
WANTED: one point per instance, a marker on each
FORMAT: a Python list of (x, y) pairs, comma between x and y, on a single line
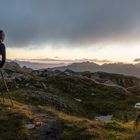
[(72, 30)]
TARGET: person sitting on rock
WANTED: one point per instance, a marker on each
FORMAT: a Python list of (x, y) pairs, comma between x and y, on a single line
[(2, 49)]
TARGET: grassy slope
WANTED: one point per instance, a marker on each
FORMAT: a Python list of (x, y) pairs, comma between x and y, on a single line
[(85, 129), (12, 120), (107, 100)]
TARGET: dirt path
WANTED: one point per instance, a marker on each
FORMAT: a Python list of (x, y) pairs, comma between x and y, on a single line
[(49, 127)]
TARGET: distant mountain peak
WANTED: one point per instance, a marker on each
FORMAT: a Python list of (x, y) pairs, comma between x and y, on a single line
[(120, 68)]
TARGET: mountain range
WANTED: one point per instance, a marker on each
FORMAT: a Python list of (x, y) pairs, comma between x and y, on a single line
[(120, 68)]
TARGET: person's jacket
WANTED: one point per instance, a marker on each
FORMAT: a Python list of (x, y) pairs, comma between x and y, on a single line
[(3, 54)]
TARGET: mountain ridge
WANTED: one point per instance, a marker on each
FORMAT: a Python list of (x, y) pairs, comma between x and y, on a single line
[(120, 68)]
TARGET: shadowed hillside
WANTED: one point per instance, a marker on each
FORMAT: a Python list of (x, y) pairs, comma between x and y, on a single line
[(68, 105)]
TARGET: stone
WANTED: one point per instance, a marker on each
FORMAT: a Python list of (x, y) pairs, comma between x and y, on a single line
[(29, 126), (103, 118), (78, 100)]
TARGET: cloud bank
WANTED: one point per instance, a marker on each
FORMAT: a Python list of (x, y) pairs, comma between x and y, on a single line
[(69, 21)]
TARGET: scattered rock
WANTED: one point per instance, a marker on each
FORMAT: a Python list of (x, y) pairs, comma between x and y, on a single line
[(45, 98), (103, 118), (29, 126), (78, 100)]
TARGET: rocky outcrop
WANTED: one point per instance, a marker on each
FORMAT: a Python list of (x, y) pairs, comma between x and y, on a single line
[(47, 98), (27, 69), (11, 65), (45, 73), (116, 79)]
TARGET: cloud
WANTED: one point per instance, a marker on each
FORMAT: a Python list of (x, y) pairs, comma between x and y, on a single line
[(137, 60), (69, 21), (66, 61)]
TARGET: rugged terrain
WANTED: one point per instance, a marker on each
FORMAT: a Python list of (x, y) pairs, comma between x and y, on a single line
[(67, 105)]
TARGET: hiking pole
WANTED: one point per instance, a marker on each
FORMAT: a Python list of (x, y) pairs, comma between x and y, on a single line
[(2, 91), (3, 79)]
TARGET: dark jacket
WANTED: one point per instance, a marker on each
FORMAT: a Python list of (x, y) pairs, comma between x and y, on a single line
[(3, 54)]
